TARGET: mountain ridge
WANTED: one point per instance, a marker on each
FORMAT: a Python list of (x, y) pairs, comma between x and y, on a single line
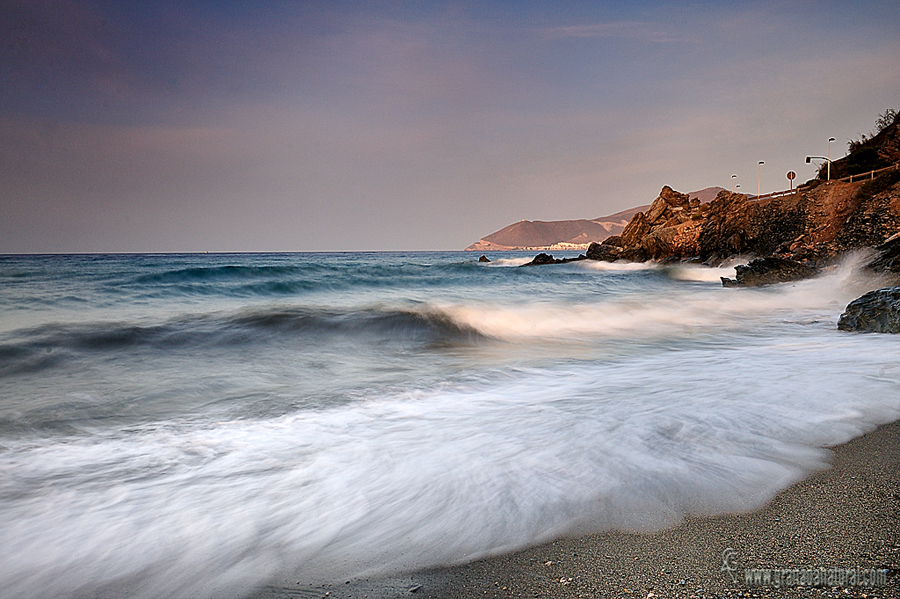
[(576, 234)]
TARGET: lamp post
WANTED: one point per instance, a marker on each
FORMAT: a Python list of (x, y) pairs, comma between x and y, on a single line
[(830, 139), (758, 166), (733, 177), (808, 158)]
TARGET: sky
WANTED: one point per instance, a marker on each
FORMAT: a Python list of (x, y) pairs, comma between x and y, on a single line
[(407, 125)]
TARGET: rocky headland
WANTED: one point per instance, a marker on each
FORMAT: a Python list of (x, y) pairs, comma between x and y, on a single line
[(814, 224), (786, 236)]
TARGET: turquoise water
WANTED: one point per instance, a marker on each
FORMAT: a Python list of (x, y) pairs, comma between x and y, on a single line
[(198, 425)]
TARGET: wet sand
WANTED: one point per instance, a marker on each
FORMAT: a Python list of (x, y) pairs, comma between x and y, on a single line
[(845, 517)]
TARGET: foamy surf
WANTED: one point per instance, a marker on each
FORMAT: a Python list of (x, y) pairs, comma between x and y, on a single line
[(396, 412), (432, 477), (617, 266), (501, 262), (679, 313)]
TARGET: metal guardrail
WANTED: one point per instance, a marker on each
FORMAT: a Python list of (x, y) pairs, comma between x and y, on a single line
[(850, 178), (870, 174), (775, 194)]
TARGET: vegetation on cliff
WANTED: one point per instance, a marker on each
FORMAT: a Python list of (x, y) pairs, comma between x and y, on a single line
[(877, 150)]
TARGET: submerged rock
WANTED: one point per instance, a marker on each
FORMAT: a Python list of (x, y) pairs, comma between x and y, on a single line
[(768, 271), (483, 258), (875, 312)]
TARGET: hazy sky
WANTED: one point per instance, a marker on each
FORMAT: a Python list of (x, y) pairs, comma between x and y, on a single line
[(294, 126)]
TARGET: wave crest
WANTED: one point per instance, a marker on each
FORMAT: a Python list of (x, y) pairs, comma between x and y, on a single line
[(46, 346)]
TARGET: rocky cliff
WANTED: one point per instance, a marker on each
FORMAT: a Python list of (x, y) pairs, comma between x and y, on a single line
[(815, 224)]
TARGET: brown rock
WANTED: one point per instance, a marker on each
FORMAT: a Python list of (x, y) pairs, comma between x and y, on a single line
[(673, 198), (673, 222), (657, 208), (635, 231), (730, 226), (768, 271), (615, 241), (659, 243), (604, 252)]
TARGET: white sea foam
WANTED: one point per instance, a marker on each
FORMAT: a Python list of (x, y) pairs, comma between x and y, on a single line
[(507, 262), (618, 266), (683, 311), (432, 477), (345, 456), (700, 273)]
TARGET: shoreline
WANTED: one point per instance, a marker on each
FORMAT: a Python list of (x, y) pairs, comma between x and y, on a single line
[(847, 516)]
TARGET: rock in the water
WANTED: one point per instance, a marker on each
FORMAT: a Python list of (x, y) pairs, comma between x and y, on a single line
[(543, 258), (875, 312), (603, 251), (768, 271), (483, 258)]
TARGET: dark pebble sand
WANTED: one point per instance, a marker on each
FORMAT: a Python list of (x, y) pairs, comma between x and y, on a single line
[(844, 517)]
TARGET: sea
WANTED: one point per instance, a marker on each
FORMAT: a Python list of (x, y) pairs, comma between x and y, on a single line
[(200, 425)]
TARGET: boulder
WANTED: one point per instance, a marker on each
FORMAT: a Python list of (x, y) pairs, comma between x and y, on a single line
[(541, 258), (768, 271), (875, 312), (483, 258), (604, 252)]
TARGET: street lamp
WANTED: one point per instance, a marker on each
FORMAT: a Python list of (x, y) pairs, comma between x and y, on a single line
[(733, 177), (759, 164), (808, 158), (830, 139)]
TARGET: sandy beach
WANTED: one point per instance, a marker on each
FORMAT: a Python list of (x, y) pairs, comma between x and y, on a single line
[(847, 517)]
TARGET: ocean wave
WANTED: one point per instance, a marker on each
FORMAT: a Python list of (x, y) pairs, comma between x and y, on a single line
[(682, 311), (432, 476), (221, 272), (507, 262), (618, 266), (47, 346)]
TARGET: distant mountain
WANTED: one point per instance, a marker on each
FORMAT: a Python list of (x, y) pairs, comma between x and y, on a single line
[(566, 234)]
